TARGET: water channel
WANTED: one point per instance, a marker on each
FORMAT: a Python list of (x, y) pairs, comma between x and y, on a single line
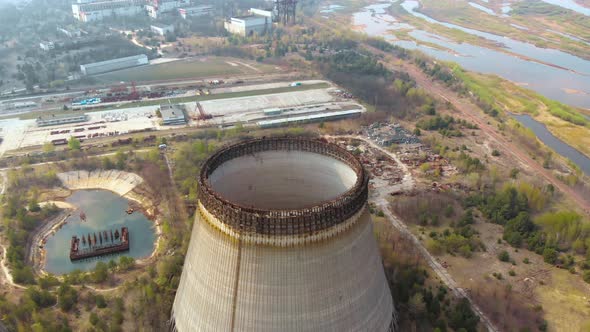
[(542, 78), (555, 74), (570, 4), (104, 210), (554, 143)]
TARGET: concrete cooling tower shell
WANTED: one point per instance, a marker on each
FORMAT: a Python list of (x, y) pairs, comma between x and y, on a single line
[(283, 241)]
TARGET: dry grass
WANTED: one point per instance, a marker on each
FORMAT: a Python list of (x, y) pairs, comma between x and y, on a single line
[(189, 68), (566, 301), (576, 136)]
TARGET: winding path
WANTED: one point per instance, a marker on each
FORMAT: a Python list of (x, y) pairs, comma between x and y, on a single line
[(380, 200)]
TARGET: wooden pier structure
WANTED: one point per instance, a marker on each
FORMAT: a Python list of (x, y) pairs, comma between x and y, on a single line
[(90, 247)]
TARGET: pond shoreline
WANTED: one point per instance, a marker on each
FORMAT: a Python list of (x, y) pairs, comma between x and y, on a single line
[(36, 251)]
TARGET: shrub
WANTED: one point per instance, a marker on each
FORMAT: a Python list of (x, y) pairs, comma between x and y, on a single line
[(550, 255), (512, 273), (504, 256), (94, 318), (100, 301)]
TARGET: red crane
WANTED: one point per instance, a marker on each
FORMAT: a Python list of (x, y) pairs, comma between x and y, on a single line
[(134, 94), (202, 114)]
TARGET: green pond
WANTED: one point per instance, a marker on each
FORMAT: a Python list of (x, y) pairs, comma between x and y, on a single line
[(105, 211)]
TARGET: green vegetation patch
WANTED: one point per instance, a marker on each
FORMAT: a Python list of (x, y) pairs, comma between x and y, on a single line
[(194, 68)]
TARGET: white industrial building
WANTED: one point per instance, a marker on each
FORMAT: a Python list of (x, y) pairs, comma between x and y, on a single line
[(47, 45), (155, 8), (71, 33), (60, 119), (248, 25), (162, 29), (195, 11), (114, 64), (173, 115), (263, 12), (95, 11)]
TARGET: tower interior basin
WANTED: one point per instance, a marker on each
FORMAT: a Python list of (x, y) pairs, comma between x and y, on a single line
[(282, 179)]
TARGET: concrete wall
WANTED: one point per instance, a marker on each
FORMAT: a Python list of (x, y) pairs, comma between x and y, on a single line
[(117, 181), (334, 285), (248, 26)]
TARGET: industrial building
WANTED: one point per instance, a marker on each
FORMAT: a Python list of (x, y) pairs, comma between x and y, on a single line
[(71, 33), (248, 25), (173, 115), (195, 11), (47, 45), (300, 119), (283, 241), (98, 10), (22, 104), (114, 64), (264, 13), (60, 119), (162, 29), (155, 8)]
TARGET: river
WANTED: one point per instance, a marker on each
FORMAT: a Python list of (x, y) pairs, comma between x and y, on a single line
[(104, 210), (554, 143), (569, 84), (536, 75), (570, 4)]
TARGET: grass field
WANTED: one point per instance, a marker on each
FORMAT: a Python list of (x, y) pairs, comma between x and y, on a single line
[(188, 68), (565, 303)]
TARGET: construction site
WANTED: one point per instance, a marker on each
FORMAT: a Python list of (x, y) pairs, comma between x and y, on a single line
[(221, 105)]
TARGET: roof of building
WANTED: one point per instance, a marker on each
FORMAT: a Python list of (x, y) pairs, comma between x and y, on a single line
[(102, 63), (308, 117), (60, 116), (203, 7), (246, 17), (99, 5), (172, 111), (262, 9), (162, 26)]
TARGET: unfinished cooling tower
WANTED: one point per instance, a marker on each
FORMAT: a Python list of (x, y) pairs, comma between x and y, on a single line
[(283, 241)]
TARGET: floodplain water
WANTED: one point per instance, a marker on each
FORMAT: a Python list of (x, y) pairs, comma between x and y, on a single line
[(553, 73)]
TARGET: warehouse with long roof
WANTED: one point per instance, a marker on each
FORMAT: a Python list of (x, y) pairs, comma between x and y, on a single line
[(114, 64)]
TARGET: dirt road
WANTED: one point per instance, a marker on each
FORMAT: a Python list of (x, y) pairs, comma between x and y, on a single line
[(379, 197), (469, 111), (381, 201)]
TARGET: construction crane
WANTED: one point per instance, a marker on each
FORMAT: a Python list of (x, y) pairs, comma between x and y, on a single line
[(134, 94), (202, 114)]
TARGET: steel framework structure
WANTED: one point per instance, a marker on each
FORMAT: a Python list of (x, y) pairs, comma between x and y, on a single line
[(286, 11)]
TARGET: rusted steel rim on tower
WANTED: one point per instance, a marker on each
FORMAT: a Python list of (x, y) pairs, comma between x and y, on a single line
[(251, 220)]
